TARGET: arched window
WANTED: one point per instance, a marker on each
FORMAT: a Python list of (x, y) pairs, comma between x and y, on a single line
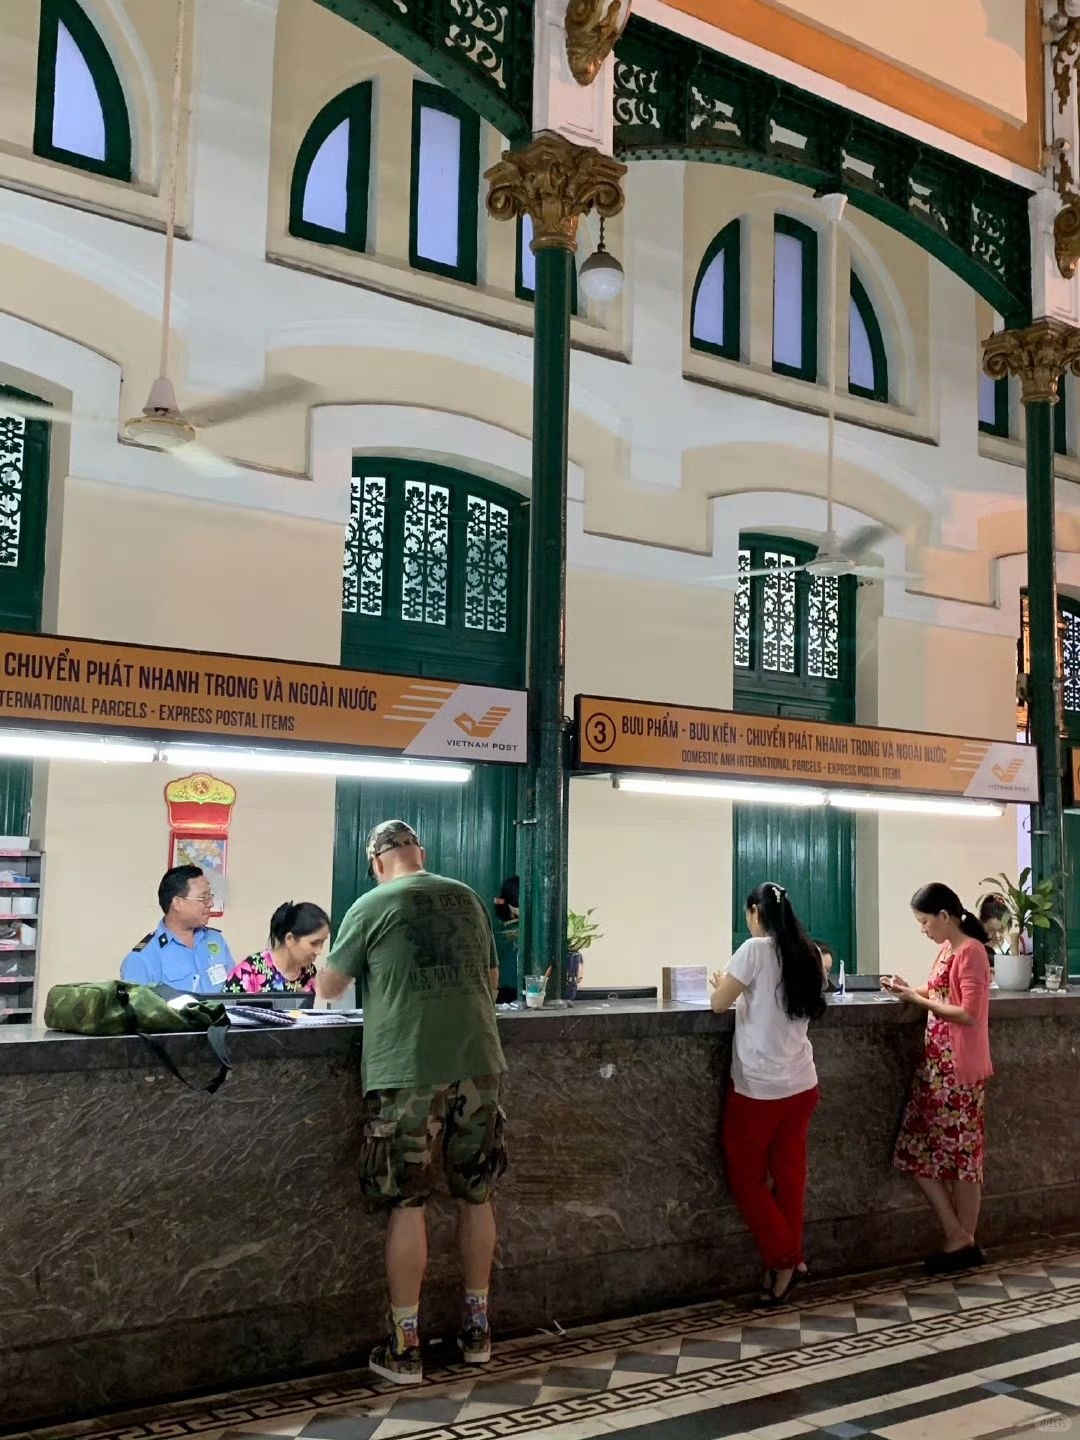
[(794, 655), (24, 485), (434, 585), (445, 184), (329, 198), (715, 309), (795, 299), (525, 278), (868, 364), (82, 116)]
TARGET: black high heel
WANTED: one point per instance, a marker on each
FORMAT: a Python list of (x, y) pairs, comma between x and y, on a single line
[(797, 1278)]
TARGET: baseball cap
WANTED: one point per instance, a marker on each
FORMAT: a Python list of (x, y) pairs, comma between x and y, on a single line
[(389, 835)]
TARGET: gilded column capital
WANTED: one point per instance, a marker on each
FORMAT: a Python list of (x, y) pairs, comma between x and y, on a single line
[(592, 27), (1038, 355), (555, 182)]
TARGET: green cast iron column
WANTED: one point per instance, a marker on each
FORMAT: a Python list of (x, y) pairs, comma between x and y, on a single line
[(544, 901), (1047, 822), (1038, 355), (554, 182)]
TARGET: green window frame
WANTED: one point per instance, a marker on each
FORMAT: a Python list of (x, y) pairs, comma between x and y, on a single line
[(353, 108), (724, 254), (807, 369), (522, 289), (432, 97), (1062, 427), (999, 425), (794, 636), (434, 573), (106, 78), (861, 302)]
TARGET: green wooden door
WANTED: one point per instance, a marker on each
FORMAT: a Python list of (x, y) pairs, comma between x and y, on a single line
[(1072, 890), (793, 653), (434, 584), (24, 488)]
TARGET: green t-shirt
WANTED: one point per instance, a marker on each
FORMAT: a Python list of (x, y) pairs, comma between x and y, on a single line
[(421, 951)]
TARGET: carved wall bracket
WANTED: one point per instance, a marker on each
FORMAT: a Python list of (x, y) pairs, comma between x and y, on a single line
[(1038, 355), (1063, 34), (592, 28), (1067, 235), (554, 182)]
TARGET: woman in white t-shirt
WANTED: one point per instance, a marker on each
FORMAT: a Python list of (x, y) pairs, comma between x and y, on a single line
[(775, 982)]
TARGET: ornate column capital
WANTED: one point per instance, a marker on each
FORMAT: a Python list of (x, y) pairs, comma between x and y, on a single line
[(1038, 354), (592, 27), (554, 182)]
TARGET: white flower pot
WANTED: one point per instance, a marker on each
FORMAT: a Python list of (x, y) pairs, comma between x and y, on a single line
[(1013, 972)]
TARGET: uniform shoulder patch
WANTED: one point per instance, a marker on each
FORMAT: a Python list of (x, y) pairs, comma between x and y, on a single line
[(142, 943)]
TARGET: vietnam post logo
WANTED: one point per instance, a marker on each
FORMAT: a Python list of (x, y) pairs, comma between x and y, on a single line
[(485, 727), (1008, 773)]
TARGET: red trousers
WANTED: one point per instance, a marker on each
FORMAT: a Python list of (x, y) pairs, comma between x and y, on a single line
[(763, 1140)]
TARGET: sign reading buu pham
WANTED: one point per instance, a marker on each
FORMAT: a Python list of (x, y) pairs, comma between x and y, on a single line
[(617, 735), (61, 683)]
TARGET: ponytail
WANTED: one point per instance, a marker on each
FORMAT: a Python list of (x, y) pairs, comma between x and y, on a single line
[(937, 899), (801, 977), (300, 919)]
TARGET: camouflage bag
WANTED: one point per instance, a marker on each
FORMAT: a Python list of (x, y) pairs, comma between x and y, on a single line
[(111, 1007)]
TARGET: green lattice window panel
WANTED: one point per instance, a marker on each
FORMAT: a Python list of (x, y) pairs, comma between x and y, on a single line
[(434, 572), (480, 49), (793, 632), (677, 100)]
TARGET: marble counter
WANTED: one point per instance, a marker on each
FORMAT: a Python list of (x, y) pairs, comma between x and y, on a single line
[(158, 1240)]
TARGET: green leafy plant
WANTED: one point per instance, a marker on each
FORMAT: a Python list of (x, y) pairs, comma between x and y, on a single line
[(1032, 907), (581, 930)]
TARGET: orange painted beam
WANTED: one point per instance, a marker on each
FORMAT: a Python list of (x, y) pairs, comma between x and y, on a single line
[(761, 23)]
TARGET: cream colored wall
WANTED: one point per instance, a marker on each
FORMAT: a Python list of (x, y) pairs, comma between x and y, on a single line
[(151, 569), (658, 871), (949, 682)]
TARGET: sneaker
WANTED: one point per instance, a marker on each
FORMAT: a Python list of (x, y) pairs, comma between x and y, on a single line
[(474, 1342), (404, 1368)]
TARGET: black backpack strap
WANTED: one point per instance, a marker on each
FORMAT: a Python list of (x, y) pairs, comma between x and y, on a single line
[(216, 1035)]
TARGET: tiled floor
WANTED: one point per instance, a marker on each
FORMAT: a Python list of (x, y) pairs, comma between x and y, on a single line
[(992, 1354)]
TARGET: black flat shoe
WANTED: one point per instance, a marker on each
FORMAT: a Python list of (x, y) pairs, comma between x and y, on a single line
[(949, 1262)]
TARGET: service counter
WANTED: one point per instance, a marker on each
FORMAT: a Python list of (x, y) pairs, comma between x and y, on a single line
[(157, 1241)]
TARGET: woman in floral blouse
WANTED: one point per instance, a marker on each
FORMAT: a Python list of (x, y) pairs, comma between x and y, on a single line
[(297, 936), (942, 1138)]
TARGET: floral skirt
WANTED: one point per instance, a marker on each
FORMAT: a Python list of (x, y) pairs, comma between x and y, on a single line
[(943, 1134)]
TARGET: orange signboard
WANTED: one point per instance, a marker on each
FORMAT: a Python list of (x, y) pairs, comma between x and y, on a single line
[(617, 735), (64, 683)]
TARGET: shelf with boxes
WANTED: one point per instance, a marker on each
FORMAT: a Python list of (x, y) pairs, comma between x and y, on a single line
[(21, 880)]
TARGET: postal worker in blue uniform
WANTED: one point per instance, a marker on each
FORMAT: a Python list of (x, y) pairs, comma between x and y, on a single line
[(183, 952)]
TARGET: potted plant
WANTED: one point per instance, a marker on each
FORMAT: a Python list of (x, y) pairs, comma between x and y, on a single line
[(581, 932), (1030, 907)]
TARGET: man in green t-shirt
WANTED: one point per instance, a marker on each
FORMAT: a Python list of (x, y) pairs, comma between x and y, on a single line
[(421, 951)]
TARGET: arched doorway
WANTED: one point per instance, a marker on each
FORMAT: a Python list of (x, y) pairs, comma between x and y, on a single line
[(794, 656), (433, 584)]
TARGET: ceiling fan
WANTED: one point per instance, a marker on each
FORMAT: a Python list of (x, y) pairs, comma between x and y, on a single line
[(162, 425), (835, 557)]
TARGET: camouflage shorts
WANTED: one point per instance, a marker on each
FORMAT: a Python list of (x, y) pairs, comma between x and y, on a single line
[(406, 1130)]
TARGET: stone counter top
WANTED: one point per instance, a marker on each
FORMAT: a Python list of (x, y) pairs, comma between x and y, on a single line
[(27, 1050)]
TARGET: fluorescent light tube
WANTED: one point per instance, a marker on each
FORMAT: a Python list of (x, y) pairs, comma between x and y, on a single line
[(280, 762), (915, 805), (43, 745), (791, 795)]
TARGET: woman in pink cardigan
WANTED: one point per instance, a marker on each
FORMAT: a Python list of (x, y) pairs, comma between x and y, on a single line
[(943, 1137)]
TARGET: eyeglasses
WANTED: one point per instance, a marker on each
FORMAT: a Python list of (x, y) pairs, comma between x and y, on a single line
[(401, 844), (206, 898)]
